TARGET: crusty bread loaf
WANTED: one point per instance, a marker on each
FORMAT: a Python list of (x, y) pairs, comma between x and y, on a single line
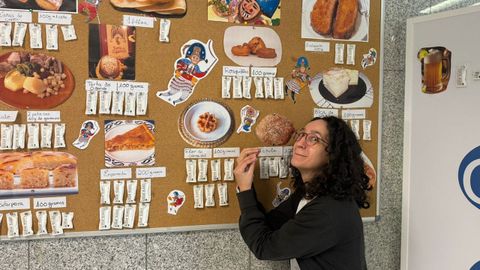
[(6, 180), (64, 176), (322, 15), (51, 160), (34, 178), (50, 4), (344, 25)]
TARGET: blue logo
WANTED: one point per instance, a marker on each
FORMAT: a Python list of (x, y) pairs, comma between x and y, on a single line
[(476, 266), (469, 179)]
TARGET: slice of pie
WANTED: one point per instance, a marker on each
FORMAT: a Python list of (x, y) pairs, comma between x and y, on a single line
[(139, 138)]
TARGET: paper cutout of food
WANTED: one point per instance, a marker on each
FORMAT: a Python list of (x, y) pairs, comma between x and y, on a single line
[(255, 46), (52, 5), (39, 74), (274, 129), (37, 170), (334, 17), (139, 138), (110, 68), (207, 122), (161, 7), (337, 80)]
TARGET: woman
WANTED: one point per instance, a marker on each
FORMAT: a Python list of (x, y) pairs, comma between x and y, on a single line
[(319, 225)]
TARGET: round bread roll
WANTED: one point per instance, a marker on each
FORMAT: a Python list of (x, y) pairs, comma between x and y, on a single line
[(274, 129), (34, 85), (109, 68)]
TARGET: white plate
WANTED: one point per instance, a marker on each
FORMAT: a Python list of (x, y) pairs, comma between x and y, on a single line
[(127, 156), (237, 35), (361, 25), (220, 112)]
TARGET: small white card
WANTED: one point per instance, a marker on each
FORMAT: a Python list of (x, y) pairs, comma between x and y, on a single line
[(132, 86), (51, 31), (353, 114), (54, 18), (274, 151), (15, 16), (35, 31), (68, 32), (197, 153), (287, 151), (226, 152), (14, 204), (138, 21), (236, 71), (43, 116), (317, 112), (97, 85), (153, 172), (317, 46), (264, 72), (49, 202), (5, 34), (8, 116), (108, 174)]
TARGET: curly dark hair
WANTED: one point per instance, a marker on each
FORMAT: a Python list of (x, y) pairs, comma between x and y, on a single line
[(343, 177)]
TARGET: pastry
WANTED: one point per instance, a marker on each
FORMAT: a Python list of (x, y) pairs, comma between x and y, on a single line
[(64, 176), (34, 85), (256, 43), (266, 53), (34, 178), (15, 162), (207, 122), (109, 68), (353, 76), (336, 81), (275, 129), (344, 25), (51, 160), (6, 180), (241, 50), (50, 4), (322, 15), (139, 138)]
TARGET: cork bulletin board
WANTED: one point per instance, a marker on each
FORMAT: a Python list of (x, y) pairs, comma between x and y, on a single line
[(154, 63)]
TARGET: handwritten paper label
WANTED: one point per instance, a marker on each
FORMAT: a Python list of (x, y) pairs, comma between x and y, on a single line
[(43, 116), (8, 116), (15, 16), (154, 172), (14, 204), (226, 152), (287, 151), (139, 21), (96, 85), (354, 114), (325, 112), (264, 72), (236, 71), (49, 202), (107, 174), (197, 153), (317, 46), (132, 86), (54, 18), (274, 151)]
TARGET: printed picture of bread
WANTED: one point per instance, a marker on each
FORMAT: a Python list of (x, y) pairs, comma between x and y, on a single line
[(256, 46), (50, 4), (275, 129), (109, 68), (266, 53), (51, 160), (256, 43), (334, 17), (64, 176), (6, 180), (241, 50), (34, 178)]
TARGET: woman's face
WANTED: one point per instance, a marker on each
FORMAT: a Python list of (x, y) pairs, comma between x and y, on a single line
[(309, 153)]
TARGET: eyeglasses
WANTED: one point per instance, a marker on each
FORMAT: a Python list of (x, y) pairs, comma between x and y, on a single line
[(310, 138)]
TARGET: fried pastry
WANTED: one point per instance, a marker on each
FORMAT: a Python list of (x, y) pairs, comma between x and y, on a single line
[(50, 4), (266, 53), (255, 44), (139, 138), (344, 25), (322, 15), (207, 122), (241, 50)]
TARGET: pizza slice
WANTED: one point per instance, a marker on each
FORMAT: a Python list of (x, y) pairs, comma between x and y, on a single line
[(139, 138)]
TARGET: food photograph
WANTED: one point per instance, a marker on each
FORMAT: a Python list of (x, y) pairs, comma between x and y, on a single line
[(34, 80), (111, 54), (41, 5), (153, 7), (252, 12), (336, 19), (247, 46)]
